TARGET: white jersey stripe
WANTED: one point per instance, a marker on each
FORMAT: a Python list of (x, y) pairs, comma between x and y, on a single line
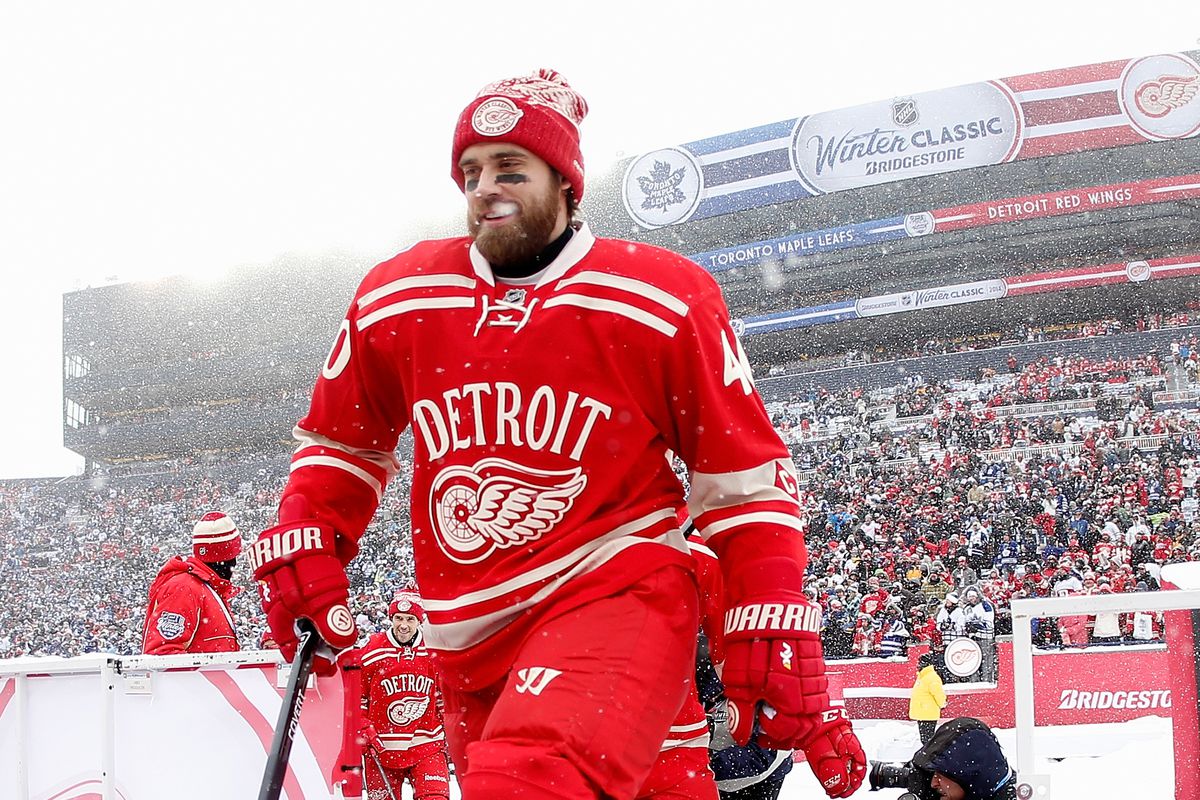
[(415, 282), (409, 743), (613, 307), (405, 306), (696, 741), (554, 567), (384, 460), (631, 285), (461, 635), (337, 463), (772, 517), (713, 490)]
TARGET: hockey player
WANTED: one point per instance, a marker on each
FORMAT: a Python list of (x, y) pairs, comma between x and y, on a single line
[(188, 607), (402, 734), (546, 373)]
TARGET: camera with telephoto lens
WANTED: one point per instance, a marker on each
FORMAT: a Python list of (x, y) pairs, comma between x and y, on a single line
[(893, 775)]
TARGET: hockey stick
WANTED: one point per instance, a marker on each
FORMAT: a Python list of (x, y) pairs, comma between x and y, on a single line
[(387, 784), (289, 714)]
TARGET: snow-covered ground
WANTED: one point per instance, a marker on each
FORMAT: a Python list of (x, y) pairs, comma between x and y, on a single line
[(1084, 762)]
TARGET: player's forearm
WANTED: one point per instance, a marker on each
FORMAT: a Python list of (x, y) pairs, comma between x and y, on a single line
[(760, 556)]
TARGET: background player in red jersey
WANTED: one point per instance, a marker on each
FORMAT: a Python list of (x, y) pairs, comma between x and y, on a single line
[(402, 732), (188, 606), (546, 374)]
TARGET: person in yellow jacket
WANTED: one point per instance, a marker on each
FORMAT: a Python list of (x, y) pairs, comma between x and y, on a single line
[(928, 697)]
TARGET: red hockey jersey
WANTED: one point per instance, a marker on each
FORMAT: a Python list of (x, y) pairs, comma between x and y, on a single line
[(187, 610), (542, 416), (401, 699)]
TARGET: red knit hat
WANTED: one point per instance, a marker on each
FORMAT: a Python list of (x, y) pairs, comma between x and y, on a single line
[(539, 112), (407, 602), (215, 538)]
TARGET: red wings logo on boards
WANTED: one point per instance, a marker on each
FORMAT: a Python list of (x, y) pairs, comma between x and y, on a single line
[(963, 657), (497, 504)]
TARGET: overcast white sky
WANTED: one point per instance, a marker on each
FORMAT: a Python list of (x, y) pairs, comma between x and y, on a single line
[(144, 138)]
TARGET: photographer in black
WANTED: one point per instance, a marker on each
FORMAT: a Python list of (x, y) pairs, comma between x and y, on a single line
[(963, 761)]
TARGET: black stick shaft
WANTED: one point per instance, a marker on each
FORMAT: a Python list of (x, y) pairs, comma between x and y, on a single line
[(289, 716), (387, 784)]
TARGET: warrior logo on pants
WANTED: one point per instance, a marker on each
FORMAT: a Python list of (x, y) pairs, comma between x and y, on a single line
[(498, 504)]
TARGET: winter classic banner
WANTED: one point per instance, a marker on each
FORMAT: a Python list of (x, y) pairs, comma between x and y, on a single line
[(1091, 107)]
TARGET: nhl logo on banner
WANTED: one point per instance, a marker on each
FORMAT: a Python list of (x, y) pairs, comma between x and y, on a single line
[(496, 117), (904, 112)]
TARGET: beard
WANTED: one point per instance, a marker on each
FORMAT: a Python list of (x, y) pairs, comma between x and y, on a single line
[(523, 237)]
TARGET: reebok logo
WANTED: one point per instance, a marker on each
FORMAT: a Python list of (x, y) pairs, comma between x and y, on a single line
[(761, 617), (535, 679)]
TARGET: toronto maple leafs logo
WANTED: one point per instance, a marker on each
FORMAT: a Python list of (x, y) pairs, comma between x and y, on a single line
[(407, 710), (663, 187), (497, 504)]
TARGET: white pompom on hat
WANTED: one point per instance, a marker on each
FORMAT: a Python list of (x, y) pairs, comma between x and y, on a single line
[(215, 538), (539, 112)]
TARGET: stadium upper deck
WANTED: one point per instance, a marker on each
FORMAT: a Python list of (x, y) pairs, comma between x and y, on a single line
[(1059, 195)]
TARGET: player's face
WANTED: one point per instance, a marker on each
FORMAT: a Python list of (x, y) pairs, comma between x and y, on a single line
[(516, 204), (404, 626)]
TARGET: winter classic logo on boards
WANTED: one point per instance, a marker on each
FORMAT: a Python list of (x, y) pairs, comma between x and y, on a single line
[(959, 128), (963, 657), (497, 504), (1161, 96), (662, 187)]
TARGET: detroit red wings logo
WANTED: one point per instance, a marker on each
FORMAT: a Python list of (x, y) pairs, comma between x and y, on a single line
[(496, 504), (1160, 97), (407, 710), (496, 116)]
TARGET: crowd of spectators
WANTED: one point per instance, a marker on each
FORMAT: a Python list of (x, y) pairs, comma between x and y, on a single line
[(929, 503), (79, 555)]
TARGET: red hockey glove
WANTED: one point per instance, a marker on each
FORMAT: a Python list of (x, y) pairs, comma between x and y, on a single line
[(299, 574), (774, 672), (369, 737), (835, 755)]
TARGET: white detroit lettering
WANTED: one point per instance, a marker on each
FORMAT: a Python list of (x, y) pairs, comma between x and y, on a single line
[(483, 414)]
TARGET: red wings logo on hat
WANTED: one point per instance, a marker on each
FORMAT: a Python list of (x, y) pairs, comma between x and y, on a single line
[(544, 88), (496, 116)]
